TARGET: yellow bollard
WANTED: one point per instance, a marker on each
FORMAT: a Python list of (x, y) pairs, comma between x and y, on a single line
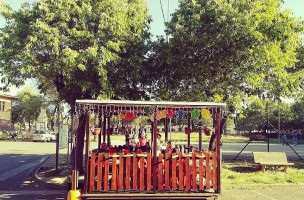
[(74, 195)]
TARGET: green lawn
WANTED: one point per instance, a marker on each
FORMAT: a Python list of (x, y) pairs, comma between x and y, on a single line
[(245, 173)]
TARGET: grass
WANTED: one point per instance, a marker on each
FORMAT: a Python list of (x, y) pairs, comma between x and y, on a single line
[(246, 173)]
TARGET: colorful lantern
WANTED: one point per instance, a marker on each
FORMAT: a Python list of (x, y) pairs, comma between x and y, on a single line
[(180, 114), (206, 114), (188, 131), (121, 116), (207, 132), (195, 113), (149, 111), (129, 116), (170, 113), (163, 114)]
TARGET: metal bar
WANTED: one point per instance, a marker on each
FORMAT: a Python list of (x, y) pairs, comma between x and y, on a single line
[(154, 168), (87, 145), (166, 130), (104, 127), (218, 152), (287, 142), (109, 136), (189, 124), (247, 144)]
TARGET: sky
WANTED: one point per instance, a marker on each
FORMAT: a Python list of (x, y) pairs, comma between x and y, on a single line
[(157, 26)]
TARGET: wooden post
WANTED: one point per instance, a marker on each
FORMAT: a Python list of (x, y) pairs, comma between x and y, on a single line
[(189, 124), (218, 153), (154, 168), (166, 130), (200, 134), (87, 147)]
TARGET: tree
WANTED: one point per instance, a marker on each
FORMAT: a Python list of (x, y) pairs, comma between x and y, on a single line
[(254, 116), (26, 108), (86, 49), (229, 50), (298, 113)]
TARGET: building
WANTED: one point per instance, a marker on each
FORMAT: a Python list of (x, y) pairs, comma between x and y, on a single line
[(6, 112), (42, 120)]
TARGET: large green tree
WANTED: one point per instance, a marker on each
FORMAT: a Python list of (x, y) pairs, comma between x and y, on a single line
[(85, 48), (229, 50)]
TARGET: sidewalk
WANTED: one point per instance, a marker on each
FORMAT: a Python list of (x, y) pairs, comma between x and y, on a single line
[(48, 180), (235, 192)]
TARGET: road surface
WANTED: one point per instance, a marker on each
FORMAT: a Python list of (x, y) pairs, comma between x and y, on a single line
[(18, 163)]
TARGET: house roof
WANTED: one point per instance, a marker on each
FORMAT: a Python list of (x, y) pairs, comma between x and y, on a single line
[(7, 97)]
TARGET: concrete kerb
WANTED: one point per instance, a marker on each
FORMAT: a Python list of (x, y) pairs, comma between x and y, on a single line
[(48, 183)]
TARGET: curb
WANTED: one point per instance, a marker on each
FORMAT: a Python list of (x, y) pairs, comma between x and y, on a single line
[(49, 185)]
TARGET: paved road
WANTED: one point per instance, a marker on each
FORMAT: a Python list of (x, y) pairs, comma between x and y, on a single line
[(18, 162)]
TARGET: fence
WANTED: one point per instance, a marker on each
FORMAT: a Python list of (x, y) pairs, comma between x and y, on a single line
[(133, 172)]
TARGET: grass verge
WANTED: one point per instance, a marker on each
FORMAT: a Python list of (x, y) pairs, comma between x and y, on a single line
[(247, 173)]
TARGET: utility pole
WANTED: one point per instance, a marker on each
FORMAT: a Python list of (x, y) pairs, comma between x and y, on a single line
[(279, 121), (168, 19)]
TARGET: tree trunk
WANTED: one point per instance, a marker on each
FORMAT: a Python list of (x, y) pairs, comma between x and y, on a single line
[(212, 143), (79, 146), (29, 126)]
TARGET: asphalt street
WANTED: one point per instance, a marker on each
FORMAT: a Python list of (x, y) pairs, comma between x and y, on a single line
[(18, 163)]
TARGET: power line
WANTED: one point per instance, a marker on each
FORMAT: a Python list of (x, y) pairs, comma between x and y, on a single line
[(161, 5)]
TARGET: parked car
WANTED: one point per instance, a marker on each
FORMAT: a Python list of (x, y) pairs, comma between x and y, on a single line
[(52, 135), (42, 136)]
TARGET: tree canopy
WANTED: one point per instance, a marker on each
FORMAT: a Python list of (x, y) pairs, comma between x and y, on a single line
[(85, 48), (229, 50), (26, 107)]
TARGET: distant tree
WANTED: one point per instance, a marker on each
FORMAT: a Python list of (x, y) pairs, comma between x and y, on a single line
[(27, 106), (254, 116), (297, 110)]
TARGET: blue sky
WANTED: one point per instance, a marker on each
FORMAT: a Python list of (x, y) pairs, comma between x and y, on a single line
[(157, 26)]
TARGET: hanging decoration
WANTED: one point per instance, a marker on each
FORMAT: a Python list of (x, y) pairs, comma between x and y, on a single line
[(129, 116), (180, 114), (206, 114), (75, 122), (158, 115), (121, 116), (148, 111), (151, 118), (195, 113), (96, 131), (207, 131), (163, 114), (170, 113), (188, 131)]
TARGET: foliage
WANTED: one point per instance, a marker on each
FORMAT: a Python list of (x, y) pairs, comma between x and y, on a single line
[(297, 110), (227, 51), (83, 48), (26, 108), (254, 116)]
